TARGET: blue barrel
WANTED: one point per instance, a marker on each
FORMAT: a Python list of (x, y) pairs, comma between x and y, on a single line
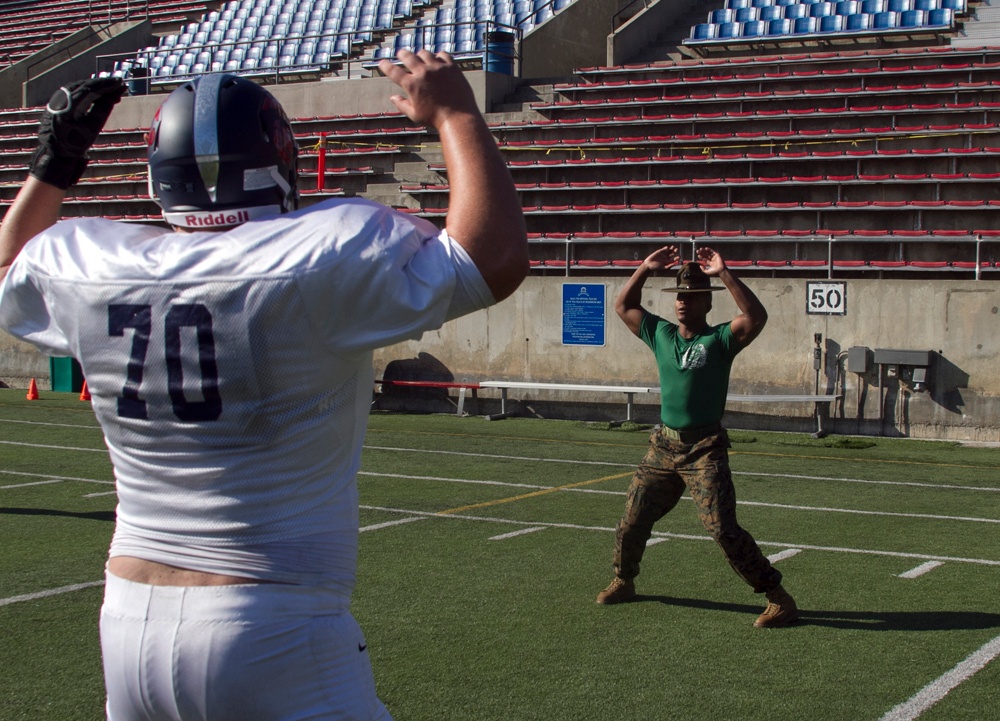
[(500, 52), (138, 81)]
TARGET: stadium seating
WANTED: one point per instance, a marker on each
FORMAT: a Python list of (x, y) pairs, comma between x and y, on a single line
[(318, 34), (853, 17), (859, 163), (29, 27)]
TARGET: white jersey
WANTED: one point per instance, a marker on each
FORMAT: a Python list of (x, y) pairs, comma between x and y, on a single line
[(231, 372)]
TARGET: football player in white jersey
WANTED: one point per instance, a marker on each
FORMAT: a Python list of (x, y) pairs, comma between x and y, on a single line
[(229, 359)]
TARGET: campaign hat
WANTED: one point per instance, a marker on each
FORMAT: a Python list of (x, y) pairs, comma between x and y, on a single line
[(692, 279)]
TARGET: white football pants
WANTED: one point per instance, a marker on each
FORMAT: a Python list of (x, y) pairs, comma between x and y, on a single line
[(255, 652)]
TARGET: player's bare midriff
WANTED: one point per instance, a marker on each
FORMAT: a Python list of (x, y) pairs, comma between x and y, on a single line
[(160, 574)]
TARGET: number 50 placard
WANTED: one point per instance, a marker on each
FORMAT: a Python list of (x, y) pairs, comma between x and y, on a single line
[(826, 298)]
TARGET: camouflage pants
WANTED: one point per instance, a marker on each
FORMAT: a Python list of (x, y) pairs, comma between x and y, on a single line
[(703, 468)]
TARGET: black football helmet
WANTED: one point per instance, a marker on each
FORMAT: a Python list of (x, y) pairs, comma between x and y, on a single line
[(221, 152)]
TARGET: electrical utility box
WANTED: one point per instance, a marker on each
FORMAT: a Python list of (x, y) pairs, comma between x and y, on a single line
[(892, 357), (858, 359)]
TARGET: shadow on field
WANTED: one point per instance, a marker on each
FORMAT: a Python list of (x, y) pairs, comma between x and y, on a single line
[(90, 515), (860, 620)]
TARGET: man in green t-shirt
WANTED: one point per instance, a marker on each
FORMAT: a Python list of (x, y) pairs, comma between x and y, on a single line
[(690, 449)]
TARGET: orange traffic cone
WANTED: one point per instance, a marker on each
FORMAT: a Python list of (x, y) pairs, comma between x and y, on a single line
[(84, 392), (33, 390)]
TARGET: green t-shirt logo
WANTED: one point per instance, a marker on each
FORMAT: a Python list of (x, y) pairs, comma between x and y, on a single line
[(694, 357)]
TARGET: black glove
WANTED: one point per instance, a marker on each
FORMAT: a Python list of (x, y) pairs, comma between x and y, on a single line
[(70, 124)]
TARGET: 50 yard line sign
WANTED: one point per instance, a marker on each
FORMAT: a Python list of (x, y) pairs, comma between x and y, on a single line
[(826, 298)]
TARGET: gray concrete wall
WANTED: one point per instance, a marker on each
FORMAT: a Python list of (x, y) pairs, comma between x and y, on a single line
[(576, 37), (32, 80), (640, 31), (959, 321), (521, 339), (359, 95)]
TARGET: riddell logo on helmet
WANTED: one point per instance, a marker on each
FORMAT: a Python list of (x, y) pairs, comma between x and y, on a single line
[(210, 220)]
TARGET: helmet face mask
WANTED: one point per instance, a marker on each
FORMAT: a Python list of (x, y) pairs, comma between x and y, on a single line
[(221, 152)]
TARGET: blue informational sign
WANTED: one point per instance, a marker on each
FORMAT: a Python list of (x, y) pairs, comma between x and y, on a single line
[(583, 314)]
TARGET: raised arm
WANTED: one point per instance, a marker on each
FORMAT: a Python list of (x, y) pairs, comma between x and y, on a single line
[(35, 208), (750, 322), (70, 124), (628, 304), (484, 212)]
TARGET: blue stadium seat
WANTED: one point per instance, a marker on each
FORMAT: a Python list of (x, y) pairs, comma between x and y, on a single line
[(785, 3), (728, 30), (737, 4), (796, 11), (761, 3), (871, 7), (847, 7), (769, 13), (805, 26), (885, 21), (958, 6), (704, 31), (781, 26), (942, 17), (722, 16), (745, 15), (859, 22), (912, 19), (899, 6), (821, 10), (926, 5), (753, 29), (831, 24)]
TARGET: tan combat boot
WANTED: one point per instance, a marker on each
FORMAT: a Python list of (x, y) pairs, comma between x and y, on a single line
[(781, 610), (618, 591)]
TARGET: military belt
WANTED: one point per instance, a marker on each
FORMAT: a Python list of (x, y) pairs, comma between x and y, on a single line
[(690, 435)]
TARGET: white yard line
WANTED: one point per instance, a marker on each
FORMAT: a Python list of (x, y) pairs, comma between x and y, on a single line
[(52, 479), (512, 534), (940, 687), (760, 504), (457, 480), (941, 486), (389, 524), (856, 512), (691, 537), (921, 569), (26, 485), (57, 425), (50, 592), (482, 456), (58, 448)]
